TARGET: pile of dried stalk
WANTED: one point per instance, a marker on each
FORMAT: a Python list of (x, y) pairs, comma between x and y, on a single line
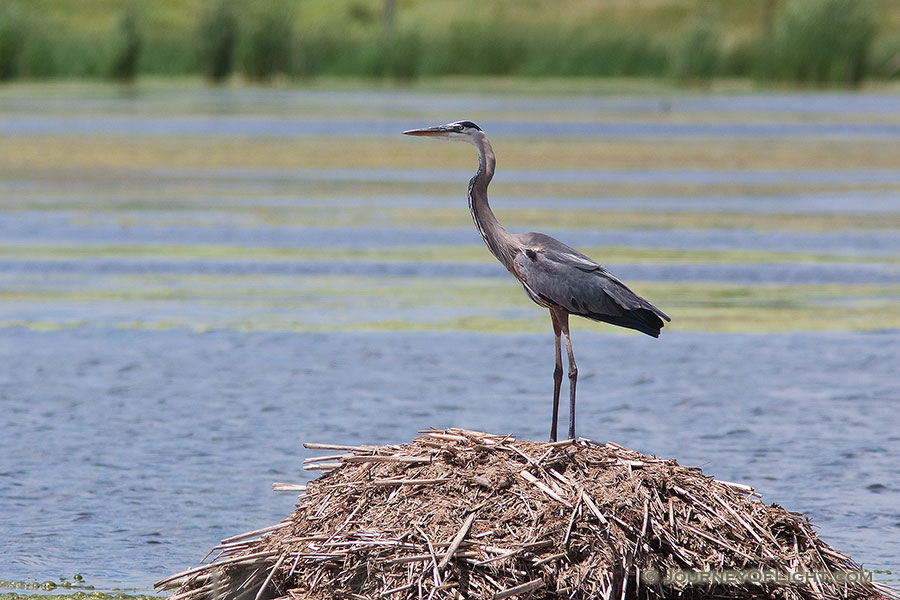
[(463, 514)]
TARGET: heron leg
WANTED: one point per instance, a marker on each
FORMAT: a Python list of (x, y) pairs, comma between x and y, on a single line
[(573, 375), (557, 374)]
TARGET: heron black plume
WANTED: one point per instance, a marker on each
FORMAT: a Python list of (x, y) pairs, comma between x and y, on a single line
[(470, 124)]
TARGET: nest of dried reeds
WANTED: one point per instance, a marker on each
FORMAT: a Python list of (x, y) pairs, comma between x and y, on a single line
[(463, 514)]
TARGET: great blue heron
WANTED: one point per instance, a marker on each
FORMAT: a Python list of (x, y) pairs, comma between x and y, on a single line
[(554, 275)]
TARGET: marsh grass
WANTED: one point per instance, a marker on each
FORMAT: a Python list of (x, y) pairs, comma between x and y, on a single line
[(822, 41), (217, 36), (699, 56), (266, 40), (126, 46), (13, 34)]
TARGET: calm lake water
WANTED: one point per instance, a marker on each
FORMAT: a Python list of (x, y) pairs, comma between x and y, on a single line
[(128, 454), (157, 374)]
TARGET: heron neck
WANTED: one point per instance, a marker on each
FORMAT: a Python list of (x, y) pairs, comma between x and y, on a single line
[(498, 240)]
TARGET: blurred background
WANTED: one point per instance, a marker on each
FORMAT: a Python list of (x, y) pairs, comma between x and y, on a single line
[(216, 245), (821, 41)]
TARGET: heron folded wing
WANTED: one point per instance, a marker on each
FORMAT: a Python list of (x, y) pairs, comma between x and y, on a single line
[(560, 276)]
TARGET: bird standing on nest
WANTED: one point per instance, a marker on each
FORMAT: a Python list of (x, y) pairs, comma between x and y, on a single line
[(554, 275)]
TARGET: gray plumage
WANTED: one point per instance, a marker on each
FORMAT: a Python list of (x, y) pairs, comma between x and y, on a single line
[(554, 275)]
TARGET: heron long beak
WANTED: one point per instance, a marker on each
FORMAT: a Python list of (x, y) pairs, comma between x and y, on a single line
[(437, 131)]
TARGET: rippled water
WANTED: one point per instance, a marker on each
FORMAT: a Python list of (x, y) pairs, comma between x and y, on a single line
[(208, 228), (159, 370), (391, 102), (128, 454), (280, 126)]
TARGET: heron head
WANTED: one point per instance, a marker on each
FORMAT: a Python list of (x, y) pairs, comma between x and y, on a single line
[(460, 130)]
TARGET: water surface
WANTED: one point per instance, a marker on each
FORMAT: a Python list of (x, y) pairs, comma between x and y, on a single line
[(161, 363), (128, 454)]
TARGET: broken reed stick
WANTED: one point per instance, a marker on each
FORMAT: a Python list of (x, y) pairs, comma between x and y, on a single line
[(547, 559), (615, 446), (255, 532), (562, 444), (544, 488), (434, 564), (288, 487), (317, 446), (225, 561), (355, 458), (740, 487), (499, 557), (718, 541), (455, 434), (592, 506), (330, 466), (520, 589), (454, 546), (572, 517), (326, 457), (446, 436), (268, 580), (399, 588), (559, 476), (479, 435)]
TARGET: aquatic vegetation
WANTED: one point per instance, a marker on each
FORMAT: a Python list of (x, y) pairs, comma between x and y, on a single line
[(166, 209), (64, 588), (427, 303), (45, 586), (470, 253), (64, 157)]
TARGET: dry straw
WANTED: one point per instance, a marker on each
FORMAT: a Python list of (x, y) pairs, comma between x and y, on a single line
[(464, 514)]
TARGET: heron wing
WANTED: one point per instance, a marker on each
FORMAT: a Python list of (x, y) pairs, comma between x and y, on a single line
[(554, 274)]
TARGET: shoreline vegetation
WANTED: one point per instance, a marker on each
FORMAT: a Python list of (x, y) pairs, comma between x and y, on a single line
[(805, 42), (65, 588)]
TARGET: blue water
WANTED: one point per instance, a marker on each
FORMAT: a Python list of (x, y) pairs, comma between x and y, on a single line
[(72, 100), (750, 273), (292, 126), (126, 455), (384, 112), (150, 402)]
